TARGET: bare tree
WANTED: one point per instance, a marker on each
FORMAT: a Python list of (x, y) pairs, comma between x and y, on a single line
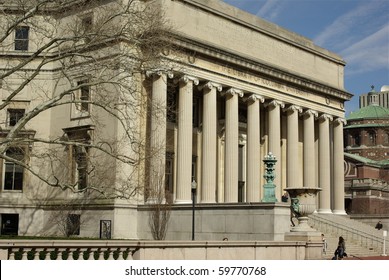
[(160, 206), (85, 58)]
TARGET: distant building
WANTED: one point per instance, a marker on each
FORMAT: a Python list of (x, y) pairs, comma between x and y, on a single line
[(383, 98), (367, 156)]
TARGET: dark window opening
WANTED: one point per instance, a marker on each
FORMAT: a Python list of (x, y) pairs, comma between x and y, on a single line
[(169, 176), (87, 24), (84, 96), (73, 224), (21, 38), (9, 224), (14, 115), (81, 157), (372, 138), (172, 101), (14, 173)]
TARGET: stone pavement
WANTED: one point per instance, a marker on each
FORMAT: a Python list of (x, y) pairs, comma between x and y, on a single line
[(367, 258)]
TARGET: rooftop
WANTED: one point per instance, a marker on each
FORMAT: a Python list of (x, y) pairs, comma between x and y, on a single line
[(369, 112)]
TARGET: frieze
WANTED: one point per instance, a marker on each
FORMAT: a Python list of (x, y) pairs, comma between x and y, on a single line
[(264, 69), (262, 81)]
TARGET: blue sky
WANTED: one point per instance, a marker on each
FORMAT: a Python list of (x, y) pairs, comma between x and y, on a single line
[(357, 30)]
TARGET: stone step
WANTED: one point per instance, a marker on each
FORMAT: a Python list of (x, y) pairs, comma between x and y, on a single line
[(333, 226)]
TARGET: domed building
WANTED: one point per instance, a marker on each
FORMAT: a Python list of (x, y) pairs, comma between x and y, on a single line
[(367, 158)]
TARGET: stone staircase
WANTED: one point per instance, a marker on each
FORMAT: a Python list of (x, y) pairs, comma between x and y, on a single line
[(361, 239)]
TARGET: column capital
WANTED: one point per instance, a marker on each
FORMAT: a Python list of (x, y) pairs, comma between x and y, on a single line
[(310, 113), (210, 85), (325, 117), (187, 79), (275, 103), (254, 97), (233, 91), (159, 73), (293, 108), (338, 121)]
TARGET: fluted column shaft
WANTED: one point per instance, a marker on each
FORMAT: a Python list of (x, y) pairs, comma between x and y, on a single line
[(209, 143), (253, 148), (309, 149), (275, 140), (158, 134), (338, 167), (184, 140), (292, 131), (324, 164), (231, 146)]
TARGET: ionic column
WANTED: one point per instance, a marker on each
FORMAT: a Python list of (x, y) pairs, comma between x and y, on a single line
[(158, 133), (324, 164), (231, 146), (292, 131), (338, 160), (184, 139), (253, 148), (209, 143), (309, 149), (275, 140)]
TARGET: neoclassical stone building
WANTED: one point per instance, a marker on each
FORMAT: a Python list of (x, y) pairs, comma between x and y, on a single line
[(237, 87)]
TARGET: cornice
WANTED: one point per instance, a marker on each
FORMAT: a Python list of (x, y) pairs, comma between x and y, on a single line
[(259, 67)]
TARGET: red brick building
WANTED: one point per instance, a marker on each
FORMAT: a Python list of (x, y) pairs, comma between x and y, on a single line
[(367, 159)]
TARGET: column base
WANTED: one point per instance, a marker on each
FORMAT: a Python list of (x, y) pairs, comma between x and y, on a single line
[(339, 212), (208, 201), (183, 201), (324, 211)]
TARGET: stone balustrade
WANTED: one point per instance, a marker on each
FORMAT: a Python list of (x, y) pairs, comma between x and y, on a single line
[(15, 249)]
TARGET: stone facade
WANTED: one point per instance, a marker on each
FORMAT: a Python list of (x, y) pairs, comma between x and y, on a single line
[(238, 88)]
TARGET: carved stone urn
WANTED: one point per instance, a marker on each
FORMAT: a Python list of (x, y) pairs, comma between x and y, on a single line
[(303, 203)]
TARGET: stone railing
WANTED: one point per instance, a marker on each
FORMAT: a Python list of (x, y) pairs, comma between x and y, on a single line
[(67, 250), (360, 235), (14, 249)]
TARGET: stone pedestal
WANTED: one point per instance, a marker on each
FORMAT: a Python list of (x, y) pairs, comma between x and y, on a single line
[(313, 241), (308, 236)]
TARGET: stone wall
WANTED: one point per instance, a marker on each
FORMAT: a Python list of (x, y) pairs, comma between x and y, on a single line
[(247, 221)]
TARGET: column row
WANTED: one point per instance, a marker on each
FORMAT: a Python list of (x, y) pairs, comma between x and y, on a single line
[(253, 176)]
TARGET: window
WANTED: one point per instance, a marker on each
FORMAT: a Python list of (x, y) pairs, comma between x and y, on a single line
[(81, 159), (372, 138), (79, 163), (21, 38), (14, 115), (83, 96), (86, 25), (14, 173), (355, 140), (385, 138), (73, 224), (9, 224)]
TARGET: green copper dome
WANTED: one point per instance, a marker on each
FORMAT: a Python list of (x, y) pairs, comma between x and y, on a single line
[(370, 112)]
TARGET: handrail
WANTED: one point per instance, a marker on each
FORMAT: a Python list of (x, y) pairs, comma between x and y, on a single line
[(375, 241)]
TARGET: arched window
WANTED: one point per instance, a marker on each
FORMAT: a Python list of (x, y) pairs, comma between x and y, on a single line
[(385, 139), (372, 138), (355, 140)]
